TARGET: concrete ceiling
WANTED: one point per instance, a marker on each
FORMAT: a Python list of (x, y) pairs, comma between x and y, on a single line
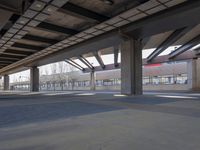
[(155, 40), (45, 28)]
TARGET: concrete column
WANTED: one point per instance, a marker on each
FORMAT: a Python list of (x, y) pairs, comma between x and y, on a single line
[(34, 79), (6, 82), (193, 70), (92, 81), (131, 66), (150, 79)]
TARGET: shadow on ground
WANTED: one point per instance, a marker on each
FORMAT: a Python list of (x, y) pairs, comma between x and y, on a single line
[(23, 114)]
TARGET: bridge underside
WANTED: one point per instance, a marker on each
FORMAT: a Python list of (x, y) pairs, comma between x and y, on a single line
[(41, 32), (34, 33)]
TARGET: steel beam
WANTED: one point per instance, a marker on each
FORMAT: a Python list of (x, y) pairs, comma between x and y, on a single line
[(17, 49), (185, 47), (197, 51), (6, 61), (39, 39), (83, 13), (165, 58), (99, 68), (15, 54), (91, 45), (179, 16), (99, 59), (160, 59), (3, 63), (74, 64), (55, 28), (177, 34), (9, 58), (19, 45), (1, 66), (86, 62)]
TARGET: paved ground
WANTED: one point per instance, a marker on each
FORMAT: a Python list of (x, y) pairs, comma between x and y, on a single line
[(99, 121)]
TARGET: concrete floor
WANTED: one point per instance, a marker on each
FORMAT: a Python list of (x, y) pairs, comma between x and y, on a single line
[(99, 121)]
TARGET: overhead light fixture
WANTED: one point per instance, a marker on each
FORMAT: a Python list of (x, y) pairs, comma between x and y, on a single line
[(38, 5), (108, 2), (49, 9), (22, 22)]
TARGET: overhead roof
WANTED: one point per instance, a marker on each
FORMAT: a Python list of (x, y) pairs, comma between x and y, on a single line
[(31, 30)]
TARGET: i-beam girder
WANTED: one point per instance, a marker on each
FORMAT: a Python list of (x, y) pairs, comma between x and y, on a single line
[(86, 62), (18, 49), (39, 39), (99, 59), (177, 34), (80, 12), (176, 17), (20, 45), (150, 23), (197, 50), (15, 54), (6, 61), (9, 58), (193, 42), (55, 28), (74, 64)]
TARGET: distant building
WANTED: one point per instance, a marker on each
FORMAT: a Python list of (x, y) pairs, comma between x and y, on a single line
[(166, 76)]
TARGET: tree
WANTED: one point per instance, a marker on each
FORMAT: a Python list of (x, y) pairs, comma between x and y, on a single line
[(53, 71), (58, 72), (61, 76)]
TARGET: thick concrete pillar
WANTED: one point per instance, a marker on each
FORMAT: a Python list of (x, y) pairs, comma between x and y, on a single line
[(131, 66), (193, 69), (92, 81), (34, 79), (6, 82)]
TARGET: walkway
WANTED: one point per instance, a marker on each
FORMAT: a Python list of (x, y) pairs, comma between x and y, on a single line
[(99, 121)]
